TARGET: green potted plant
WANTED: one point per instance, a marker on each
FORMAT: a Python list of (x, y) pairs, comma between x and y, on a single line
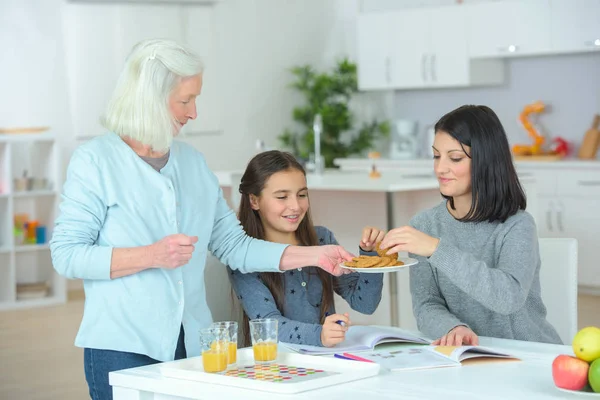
[(329, 94)]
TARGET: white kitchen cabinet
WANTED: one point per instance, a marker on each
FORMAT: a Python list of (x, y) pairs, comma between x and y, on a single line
[(579, 218), (411, 42), (419, 48), (139, 22), (449, 63), (92, 62), (506, 28), (568, 208), (575, 25), (98, 39), (374, 51), (200, 35)]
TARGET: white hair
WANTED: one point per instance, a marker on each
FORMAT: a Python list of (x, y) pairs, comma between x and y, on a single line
[(139, 107)]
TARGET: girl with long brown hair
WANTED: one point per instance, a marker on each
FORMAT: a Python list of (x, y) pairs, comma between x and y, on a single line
[(275, 207)]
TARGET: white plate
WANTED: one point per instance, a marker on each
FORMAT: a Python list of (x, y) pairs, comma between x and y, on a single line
[(406, 260), (331, 372), (580, 392)]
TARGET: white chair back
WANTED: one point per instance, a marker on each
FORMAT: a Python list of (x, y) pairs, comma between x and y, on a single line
[(558, 281), (236, 197)]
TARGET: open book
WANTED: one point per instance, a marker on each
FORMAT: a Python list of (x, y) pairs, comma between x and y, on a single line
[(430, 357), (361, 338)]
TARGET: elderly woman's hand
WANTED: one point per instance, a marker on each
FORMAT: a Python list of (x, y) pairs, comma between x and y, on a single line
[(173, 251), (331, 256)]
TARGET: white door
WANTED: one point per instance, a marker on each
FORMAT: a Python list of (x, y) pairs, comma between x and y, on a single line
[(92, 63), (139, 22), (489, 29), (532, 27), (411, 49), (374, 57), (575, 25), (201, 36), (509, 28), (580, 220), (449, 61), (547, 217)]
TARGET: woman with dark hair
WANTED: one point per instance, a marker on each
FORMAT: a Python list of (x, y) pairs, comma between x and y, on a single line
[(479, 260), (275, 207)]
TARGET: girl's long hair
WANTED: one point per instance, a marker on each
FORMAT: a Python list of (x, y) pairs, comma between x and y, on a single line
[(259, 170)]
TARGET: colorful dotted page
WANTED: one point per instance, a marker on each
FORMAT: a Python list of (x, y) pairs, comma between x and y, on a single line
[(277, 373)]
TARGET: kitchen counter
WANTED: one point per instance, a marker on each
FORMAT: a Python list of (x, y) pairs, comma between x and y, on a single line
[(336, 180), (421, 164)]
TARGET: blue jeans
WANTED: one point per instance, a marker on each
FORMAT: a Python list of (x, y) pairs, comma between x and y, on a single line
[(98, 363)]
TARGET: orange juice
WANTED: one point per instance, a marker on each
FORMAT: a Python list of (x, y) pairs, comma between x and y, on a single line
[(214, 360), (231, 349), (265, 351)]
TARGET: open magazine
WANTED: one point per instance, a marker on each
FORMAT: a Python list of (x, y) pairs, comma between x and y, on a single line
[(361, 338), (430, 357)]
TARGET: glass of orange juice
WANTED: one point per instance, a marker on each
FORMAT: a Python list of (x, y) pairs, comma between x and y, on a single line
[(264, 339), (214, 345), (232, 338)]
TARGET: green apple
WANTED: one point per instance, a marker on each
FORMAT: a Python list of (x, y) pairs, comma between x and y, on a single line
[(594, 375)]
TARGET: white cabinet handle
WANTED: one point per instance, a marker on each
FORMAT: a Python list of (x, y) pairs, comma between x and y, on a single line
[(559, 217), (432, 65), (508, 49), (588, 183), (423, 72), (388, 72), (549, 217)]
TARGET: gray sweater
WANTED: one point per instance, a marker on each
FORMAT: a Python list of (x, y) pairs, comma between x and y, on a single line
[(299, 320), (482, 275)]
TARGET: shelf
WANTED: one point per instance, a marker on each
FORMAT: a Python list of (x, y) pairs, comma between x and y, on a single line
[(35, 193), (35, 155), (26, 137), (32, 247), (30, 303)]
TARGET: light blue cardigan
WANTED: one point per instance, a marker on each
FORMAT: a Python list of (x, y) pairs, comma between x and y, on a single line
[(111, 199)]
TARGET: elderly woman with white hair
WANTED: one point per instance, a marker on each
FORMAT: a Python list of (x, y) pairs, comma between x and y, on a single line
[(139, 213)]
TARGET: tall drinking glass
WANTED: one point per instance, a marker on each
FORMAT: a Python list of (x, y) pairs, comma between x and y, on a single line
[(264, 339), (214, 347), (232, 338)]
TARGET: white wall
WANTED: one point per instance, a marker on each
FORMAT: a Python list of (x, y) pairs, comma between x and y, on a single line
[(257, 41)]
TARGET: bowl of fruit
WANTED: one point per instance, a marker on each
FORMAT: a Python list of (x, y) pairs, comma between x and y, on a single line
[(580, 374)]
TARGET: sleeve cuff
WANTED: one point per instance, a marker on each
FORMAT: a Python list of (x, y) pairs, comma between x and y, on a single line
[(264, 256), (100, 265)]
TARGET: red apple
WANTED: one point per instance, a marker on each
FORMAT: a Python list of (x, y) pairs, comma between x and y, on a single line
[(570, 372)]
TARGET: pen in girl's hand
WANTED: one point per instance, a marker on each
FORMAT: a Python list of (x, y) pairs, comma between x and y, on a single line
[(340, 322)]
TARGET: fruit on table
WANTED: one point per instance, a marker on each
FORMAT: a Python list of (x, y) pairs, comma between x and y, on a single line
[(570, 372), (586, 344), (594, 376)]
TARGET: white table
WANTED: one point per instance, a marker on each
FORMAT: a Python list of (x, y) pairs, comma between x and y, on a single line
[(529, 379)]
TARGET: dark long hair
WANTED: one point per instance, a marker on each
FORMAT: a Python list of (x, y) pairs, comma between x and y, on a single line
[(258, 171), (496, 191)]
